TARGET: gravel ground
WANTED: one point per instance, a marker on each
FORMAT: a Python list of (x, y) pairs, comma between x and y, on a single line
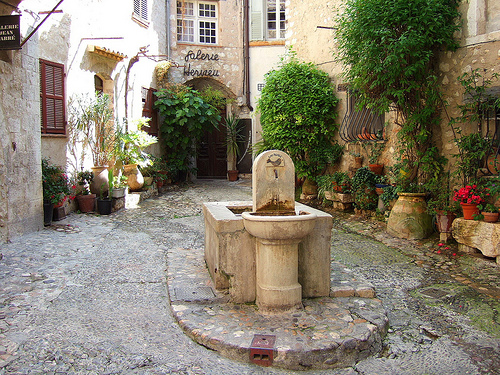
[(88, 295)]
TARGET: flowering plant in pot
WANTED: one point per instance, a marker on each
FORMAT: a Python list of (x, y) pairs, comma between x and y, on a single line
[(56, 186), (469, 198)]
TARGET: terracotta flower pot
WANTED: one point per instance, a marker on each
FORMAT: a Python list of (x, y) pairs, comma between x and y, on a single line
[(444, 221), (232, 175), (86, 203), (376, 168), (469, 210), (490, 217)]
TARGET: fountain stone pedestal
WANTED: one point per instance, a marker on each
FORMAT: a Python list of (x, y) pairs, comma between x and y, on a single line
[(278, 230)]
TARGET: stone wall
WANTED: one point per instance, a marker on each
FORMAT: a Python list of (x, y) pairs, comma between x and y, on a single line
[(313, 40), (20, 161)]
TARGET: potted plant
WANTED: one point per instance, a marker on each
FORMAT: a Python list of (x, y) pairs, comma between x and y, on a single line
[(338, 182), (489, 212), (119, 186), (93, 117), (129, 153), (358, 159), (469, 198), (56, 188), (363, 187), (104, 202), (85, 199), (233, 137), (374, 150)]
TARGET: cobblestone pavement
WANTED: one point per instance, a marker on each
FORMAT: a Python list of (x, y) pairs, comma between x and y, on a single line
[(88, 295)]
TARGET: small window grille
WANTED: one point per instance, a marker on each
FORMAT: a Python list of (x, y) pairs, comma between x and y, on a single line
[(361, 124)]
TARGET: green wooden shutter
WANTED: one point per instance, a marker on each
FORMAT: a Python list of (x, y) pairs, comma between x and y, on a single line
[(257, 20)]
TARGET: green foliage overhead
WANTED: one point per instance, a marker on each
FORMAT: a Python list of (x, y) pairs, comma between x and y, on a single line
[(390, 51), (298, 112), (186, 116), (390, 46)]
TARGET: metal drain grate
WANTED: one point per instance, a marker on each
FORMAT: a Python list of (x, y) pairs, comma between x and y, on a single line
[(194, 293), (434, 293)]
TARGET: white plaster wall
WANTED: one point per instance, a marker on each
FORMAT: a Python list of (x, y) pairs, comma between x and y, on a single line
[(263, 59), (64, 38)]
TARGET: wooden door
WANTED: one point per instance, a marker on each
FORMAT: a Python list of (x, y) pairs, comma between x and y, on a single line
[(211, 160)]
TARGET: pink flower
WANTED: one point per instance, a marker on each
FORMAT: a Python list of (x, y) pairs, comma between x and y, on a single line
[(440, 244)]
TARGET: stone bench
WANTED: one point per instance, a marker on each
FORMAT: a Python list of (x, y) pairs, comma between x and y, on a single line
[(473, 234), (341, 201)]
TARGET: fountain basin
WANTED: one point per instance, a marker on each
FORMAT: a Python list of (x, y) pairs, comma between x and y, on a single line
[(273, 227), (230, 251)]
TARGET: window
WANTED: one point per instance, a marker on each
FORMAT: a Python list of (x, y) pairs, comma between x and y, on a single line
[(148, 110), (268, 19), (361, 124), (196, 22), (52, 104), (141, 11)]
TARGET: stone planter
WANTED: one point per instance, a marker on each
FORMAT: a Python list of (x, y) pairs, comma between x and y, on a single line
[(409, 218)]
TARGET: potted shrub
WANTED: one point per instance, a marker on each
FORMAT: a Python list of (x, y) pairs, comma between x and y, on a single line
[(233, 137), (85, 199), (93, 117), (338, 182), (119, 184), (363, 187), (129, 152), (469, 198)]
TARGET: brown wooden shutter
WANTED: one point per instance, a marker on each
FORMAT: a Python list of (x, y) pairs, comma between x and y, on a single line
[(148, 110), (52, 98)]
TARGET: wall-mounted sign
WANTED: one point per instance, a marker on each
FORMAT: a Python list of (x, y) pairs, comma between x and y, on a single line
[(10, 35), (200, 56)]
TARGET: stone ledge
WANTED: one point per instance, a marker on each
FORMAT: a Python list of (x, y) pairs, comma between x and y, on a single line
[(473, 234)]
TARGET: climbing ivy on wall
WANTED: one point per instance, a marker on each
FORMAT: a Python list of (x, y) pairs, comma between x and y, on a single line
[(390, 50), (186, 116), (298, 112)]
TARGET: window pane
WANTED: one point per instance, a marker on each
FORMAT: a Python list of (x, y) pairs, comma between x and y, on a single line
[(186, 9), (207, 32)]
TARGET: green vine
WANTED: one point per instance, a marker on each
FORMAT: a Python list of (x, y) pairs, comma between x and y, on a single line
[(186, 116)]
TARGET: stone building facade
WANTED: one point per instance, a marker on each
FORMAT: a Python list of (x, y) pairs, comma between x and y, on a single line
[(20, 152), (313, 38)]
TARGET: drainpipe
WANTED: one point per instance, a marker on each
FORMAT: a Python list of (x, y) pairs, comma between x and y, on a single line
[(246, 52), (132, 61), (167, 21)]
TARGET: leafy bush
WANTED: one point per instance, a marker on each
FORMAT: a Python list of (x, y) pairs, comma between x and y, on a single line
[(363, 187), (298, 112)]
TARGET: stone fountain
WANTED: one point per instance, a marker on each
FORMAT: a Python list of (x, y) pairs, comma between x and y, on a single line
[(273, 250), (279, 300)]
